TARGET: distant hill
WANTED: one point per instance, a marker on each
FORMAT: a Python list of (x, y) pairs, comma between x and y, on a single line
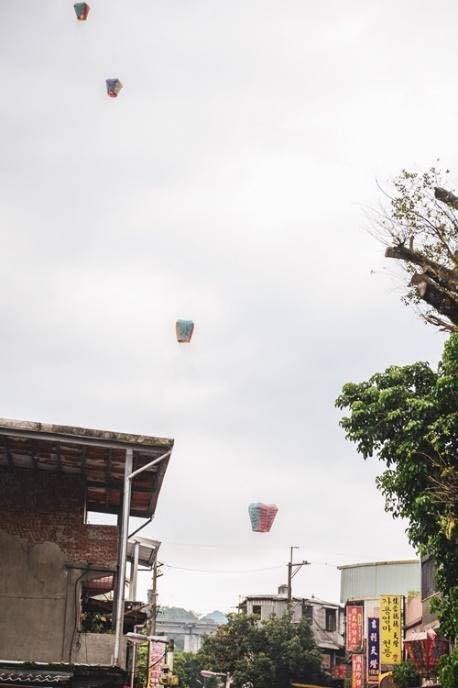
[(180, 614), (216, 617), (176, 614)]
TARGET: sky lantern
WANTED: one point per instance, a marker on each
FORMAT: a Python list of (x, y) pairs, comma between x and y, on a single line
[(262, 516), (184, 330), (113, 87), (81, 10)]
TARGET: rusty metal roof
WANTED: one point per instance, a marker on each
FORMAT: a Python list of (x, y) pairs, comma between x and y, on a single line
[(96, 456)]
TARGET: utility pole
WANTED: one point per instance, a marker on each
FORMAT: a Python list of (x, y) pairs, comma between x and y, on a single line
[(153, 602), (293, 569), (152, 621)]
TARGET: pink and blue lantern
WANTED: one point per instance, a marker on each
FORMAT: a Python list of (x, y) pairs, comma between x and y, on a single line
[(262, 516), (113, 87), (184, 330), (81, 10)]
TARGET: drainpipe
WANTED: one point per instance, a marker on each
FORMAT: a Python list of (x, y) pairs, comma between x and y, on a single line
[(129, 475), (119, 628), (134, 573)]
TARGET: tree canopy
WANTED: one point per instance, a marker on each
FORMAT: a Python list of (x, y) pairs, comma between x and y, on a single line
[(260, 653), (408, 417), (421, 229)]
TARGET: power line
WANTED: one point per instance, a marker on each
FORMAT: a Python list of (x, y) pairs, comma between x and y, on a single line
[(367, 556), (183, 568), (235, 571)]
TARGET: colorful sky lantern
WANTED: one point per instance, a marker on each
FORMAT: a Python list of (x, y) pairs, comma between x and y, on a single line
[(262, 516), (113, 87), (184, 329), (82, 10)]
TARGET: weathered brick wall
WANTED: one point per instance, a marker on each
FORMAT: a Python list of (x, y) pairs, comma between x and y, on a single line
[(49, 507)]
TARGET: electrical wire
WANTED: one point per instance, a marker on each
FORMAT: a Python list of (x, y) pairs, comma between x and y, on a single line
[(202, 545), (236, 571), (182, 568)]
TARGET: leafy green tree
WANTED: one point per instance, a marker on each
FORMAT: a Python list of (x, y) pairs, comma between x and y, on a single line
[(141, 666), (187, 667), (420, 227), (268, 653), (408, 417), (448, 671), (406, 676)]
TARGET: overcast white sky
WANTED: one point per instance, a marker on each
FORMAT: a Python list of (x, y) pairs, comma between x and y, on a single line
[(226, 184)]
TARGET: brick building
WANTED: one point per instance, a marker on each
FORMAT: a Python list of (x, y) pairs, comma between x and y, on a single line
[(54, 562)]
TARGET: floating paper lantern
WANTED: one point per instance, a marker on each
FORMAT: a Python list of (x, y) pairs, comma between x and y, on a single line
[(82, 10), (113, 87), (184, 329), (262, 516)]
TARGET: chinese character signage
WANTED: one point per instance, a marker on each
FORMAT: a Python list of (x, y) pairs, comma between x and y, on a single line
[(156, 658), (339, 671), (373, 650), (355, 615), (390, 632), (357, 671)]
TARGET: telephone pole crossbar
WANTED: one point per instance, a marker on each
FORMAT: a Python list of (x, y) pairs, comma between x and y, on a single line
[(293, 570)]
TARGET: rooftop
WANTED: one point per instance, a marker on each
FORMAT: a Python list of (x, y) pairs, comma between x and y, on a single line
[(284, 598), (96, 456), (380, 563)]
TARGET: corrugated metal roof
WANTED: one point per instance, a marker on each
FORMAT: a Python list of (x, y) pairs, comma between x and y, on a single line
[(95, 456), (275, 598), (378, 563), (373, 579)]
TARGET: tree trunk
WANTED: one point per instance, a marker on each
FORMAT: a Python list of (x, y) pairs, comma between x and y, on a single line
[(446, 197), (436, 284)]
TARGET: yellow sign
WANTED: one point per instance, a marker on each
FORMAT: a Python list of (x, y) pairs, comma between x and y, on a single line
[(390, 630)]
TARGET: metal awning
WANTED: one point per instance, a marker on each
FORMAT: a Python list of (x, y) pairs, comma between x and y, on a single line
[(147, 550), (96, 456)]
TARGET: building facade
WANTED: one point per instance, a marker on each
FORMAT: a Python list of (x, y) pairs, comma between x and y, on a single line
[(326, 619), (55, 564), (375, 596)]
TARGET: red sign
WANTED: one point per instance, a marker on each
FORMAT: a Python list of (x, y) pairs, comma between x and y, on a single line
[(354, 635), (425, 653), (156, 659), (357, 671), (339, 671)]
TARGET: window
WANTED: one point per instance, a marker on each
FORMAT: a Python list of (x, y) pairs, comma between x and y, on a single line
[(307, 612), (428, 578), (257, 609), (330, 620)]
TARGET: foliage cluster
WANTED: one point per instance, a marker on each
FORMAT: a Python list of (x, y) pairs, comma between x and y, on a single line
[(256, 653), (420, 227), (406, 676), (448, 671), (407, 416)]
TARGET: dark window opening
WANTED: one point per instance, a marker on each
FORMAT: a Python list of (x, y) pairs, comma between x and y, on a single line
[(331, 620), (307, 612), (428, 578), (257, 609)]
